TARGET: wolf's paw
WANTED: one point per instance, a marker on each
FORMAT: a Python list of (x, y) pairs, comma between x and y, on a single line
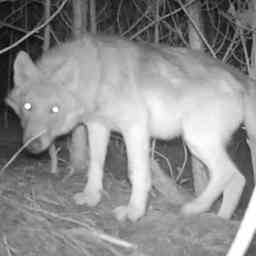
[(91, 198), (193, 208), (124, 212)]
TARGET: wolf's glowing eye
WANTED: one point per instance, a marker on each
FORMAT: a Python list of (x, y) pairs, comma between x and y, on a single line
[(55, 109), (27, 106)]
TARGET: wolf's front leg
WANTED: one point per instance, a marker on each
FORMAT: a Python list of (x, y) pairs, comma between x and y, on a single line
[(98, 140), (137, 144)]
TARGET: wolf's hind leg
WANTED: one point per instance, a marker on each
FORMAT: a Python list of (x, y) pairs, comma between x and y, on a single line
[(224, 176)]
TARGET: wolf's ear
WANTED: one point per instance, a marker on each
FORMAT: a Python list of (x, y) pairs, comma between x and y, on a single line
[(12, 100), (24, 69), (67, 75)]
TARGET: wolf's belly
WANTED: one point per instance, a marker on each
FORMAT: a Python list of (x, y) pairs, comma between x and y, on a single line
[(164, 118)]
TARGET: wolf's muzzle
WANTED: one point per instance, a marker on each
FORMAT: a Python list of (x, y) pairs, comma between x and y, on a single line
[(36, 146)]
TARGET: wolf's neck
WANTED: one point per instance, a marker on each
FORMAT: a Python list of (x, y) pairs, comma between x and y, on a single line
[(85, 53)]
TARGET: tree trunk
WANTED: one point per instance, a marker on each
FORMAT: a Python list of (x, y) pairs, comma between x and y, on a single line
[(78, 150), (80, 10), (93, 22), (47, 13), (198, 168)]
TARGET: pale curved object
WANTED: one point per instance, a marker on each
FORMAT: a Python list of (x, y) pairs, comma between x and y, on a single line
[(246, 231)]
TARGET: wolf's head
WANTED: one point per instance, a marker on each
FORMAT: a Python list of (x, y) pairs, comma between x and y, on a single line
[(45, 102)]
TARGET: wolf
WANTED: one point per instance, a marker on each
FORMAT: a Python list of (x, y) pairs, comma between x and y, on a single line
[(142, 91)]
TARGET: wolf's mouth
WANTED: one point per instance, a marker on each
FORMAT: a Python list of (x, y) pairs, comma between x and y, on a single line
[(38, 145)]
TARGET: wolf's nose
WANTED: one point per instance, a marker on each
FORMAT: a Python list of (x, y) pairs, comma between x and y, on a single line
[(35, 146)]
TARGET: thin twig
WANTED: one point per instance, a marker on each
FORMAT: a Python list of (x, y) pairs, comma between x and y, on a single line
[(197, 29), (8, 248), (20, 150), (151, 24), (182, 168), (96, 233), (35, 30), (167, 162)]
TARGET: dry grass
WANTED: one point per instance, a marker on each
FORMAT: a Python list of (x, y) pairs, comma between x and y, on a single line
[(36, 220), (39, 217)]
